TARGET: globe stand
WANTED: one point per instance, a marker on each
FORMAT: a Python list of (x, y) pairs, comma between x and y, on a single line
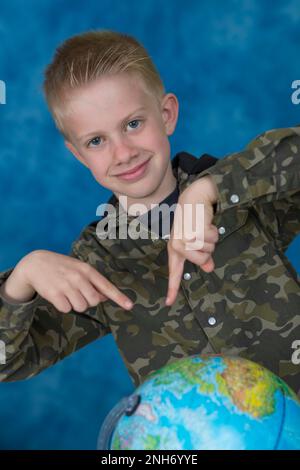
[(127, 406)]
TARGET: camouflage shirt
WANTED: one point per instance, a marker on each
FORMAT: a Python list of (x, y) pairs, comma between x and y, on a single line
[(248, 306)]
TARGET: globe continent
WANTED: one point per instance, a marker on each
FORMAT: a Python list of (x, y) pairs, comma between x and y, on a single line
[(213, 402)]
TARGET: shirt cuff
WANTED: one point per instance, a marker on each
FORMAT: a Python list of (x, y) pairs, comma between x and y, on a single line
[(3, 277)]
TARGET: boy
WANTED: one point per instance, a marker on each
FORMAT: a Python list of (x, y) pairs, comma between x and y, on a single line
[(238, 294)]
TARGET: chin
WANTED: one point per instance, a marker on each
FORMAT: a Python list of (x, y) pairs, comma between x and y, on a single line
[(141, 191)]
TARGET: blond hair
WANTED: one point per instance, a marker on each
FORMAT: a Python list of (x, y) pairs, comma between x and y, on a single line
[(86, 57)]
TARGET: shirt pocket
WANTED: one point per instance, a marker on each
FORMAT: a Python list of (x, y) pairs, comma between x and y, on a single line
[(244, 249), (251, 269)]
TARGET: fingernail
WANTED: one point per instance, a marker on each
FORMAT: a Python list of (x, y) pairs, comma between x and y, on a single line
[(128, 304), (167, 300)]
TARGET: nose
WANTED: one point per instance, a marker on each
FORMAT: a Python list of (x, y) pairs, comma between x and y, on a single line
[(123, 151)]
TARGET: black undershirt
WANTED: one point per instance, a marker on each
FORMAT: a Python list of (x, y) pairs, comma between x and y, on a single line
[(171, 199)]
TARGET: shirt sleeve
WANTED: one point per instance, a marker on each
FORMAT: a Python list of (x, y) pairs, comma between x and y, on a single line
[(266, 177), (34, 335)]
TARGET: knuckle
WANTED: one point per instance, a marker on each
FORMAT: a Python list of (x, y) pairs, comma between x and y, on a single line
[(100, 280), (215, 235), (86, 268), (60, 303), (94, 299), (210, 248), (63, 308), (204, 254), (81, 308), (67, 310), (94, 295), (76, 277), (206, 258), (53, 292)]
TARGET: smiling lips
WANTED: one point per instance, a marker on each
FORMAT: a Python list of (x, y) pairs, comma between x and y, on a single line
[(135, 173)]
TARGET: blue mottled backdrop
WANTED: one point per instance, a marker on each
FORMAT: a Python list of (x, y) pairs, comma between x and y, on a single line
[(231, 65)]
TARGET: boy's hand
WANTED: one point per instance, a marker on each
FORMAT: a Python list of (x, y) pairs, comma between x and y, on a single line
[(199, 248), (65, 282)]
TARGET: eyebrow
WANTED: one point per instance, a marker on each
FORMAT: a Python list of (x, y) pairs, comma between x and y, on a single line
[(90, 134)]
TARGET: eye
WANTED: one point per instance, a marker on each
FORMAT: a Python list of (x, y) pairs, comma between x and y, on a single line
[(135, 123), (95, 142)]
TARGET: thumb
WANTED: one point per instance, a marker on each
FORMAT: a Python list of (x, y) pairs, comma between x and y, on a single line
[(209, 266)]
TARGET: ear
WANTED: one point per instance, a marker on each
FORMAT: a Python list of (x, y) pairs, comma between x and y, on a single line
[(75, 152), (170, 110)]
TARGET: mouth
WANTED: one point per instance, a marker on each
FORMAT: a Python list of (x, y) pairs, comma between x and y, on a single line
[(135, 173)]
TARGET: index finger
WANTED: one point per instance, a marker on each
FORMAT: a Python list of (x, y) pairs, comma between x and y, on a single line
[(104, 286), (176, 265)]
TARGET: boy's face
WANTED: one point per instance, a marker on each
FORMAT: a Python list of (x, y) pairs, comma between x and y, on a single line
[(111, 135)]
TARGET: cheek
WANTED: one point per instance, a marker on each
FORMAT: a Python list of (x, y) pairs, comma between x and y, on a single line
[(99, 175), (153, 137), (163, 145), (161, 138), (156, 143), (99, 170)]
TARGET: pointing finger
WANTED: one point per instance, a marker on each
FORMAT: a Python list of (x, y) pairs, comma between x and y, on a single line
[(176, 265), (110, 291)]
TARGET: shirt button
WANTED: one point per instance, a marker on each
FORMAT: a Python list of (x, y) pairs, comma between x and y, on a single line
[(234, 198), (187, 276), (212, 321), (221, 230)]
